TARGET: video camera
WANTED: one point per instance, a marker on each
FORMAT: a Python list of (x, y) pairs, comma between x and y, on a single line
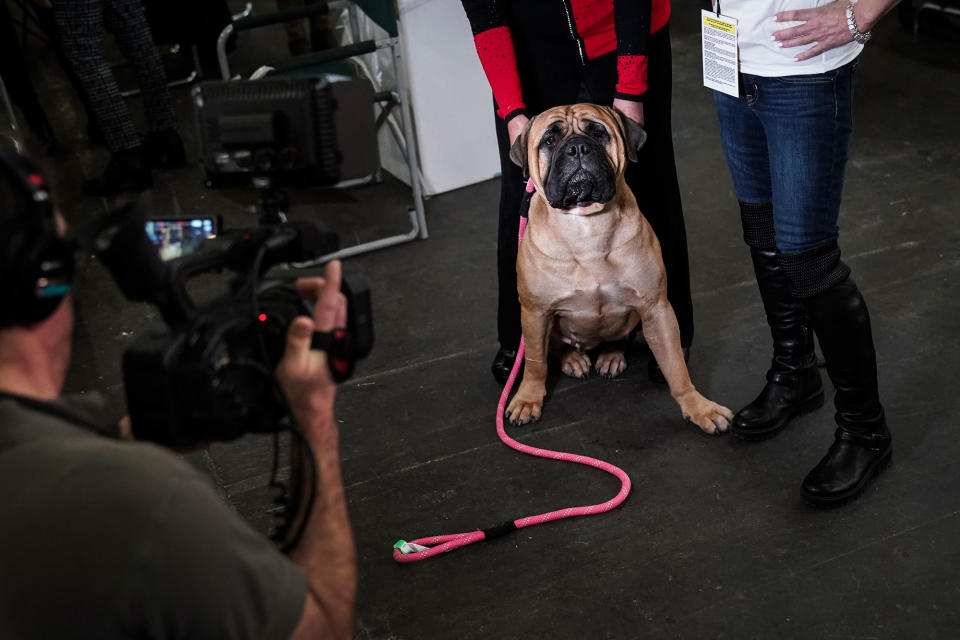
[(208, 373)]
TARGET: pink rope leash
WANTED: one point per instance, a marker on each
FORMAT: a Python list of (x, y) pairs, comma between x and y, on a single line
[(423, 548)]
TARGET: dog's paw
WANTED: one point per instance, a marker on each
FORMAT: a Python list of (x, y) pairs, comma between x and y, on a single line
[(610, 364), (575, 364), (522, 411), (708, 415)]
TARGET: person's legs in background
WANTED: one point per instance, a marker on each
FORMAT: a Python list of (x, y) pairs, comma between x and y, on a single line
[(80, 24), (162, 146), (808, 120), (81, 28), (508, 302), (48, 26), (793, 383)]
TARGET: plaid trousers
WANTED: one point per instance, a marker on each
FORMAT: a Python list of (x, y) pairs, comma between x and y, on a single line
[(80, 25)]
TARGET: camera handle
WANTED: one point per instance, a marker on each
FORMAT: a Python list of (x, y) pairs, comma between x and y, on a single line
[(340, 349)]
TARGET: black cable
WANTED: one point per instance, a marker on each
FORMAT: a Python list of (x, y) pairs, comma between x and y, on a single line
[(289, 506), (281, 497)]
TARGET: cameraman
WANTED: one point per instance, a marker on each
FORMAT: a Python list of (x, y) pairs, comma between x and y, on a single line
[(103, 538)]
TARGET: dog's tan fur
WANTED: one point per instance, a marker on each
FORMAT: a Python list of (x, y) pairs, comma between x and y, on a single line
[(587, 276)]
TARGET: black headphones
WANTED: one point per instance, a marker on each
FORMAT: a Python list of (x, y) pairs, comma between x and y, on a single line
[(36, 263)]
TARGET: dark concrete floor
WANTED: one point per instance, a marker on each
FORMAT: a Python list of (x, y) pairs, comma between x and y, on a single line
[(714, 541)]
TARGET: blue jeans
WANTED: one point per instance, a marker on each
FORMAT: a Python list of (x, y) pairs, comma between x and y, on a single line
[(786, 141)]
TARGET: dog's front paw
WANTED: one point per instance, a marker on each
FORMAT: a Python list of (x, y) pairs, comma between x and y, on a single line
[(524, 408), (575, 364), (610, 364), (708, 415)]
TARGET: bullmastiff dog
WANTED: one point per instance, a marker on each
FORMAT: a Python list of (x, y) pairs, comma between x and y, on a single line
[(589, 267)]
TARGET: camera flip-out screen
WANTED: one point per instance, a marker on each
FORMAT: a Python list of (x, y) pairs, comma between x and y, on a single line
[(178, 237)]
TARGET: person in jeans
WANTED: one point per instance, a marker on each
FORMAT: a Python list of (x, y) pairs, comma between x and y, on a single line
[(786, 140), (539, 54)]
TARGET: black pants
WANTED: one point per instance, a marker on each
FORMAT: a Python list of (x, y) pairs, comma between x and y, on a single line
[(653, 178), (80, 24)]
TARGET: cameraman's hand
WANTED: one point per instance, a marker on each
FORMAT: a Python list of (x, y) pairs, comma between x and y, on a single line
[(303, 373), (325, 550)]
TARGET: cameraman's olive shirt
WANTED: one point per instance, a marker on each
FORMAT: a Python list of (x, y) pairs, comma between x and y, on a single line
[(107, 539)]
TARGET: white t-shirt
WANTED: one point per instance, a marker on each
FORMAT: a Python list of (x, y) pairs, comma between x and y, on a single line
[(759, 53)]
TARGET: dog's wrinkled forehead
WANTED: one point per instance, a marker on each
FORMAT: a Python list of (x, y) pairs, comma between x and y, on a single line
[(589, 120), (559, 129)]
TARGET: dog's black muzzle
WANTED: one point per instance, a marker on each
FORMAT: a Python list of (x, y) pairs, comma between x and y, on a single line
[(580, 174)]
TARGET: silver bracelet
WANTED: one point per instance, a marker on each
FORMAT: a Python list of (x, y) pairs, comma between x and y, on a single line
[(861, 38)]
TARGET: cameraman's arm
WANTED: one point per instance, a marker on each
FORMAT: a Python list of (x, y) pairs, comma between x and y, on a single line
[(325, 550)]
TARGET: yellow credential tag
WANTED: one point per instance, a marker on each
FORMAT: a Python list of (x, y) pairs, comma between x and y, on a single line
[(719, 39)]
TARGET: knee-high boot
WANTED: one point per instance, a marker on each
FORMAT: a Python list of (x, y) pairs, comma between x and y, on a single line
[(793, 381), (838, 313)]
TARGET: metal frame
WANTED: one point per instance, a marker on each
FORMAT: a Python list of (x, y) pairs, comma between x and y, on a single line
[(190, 78), (418, 222), (247, 10), (402, 133), (14, 125), (932, 6), (195, 74)]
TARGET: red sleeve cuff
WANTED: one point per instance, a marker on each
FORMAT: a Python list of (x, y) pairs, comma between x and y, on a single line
[(495, 49), (632, 75)]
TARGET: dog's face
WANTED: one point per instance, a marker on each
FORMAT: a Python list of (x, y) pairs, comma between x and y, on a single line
[(576, 154)]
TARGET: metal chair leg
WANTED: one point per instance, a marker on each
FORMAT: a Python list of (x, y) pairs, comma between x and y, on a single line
[(14, 126), (247, 10)]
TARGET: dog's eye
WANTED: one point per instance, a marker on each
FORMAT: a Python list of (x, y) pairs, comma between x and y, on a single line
[(596, 131), (549, 139)]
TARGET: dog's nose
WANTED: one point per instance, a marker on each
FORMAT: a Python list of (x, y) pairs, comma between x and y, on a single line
[(578, 150)]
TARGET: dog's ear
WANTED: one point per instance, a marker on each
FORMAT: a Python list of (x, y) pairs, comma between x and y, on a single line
[(633, 135), (518, 151)]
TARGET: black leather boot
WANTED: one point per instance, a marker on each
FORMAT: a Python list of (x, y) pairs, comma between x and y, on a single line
[(793, 381), (126, 171), (164, 150), (853, 460), (862, 444)]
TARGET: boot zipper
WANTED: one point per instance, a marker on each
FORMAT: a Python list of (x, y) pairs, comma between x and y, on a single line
[(573, 31)]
